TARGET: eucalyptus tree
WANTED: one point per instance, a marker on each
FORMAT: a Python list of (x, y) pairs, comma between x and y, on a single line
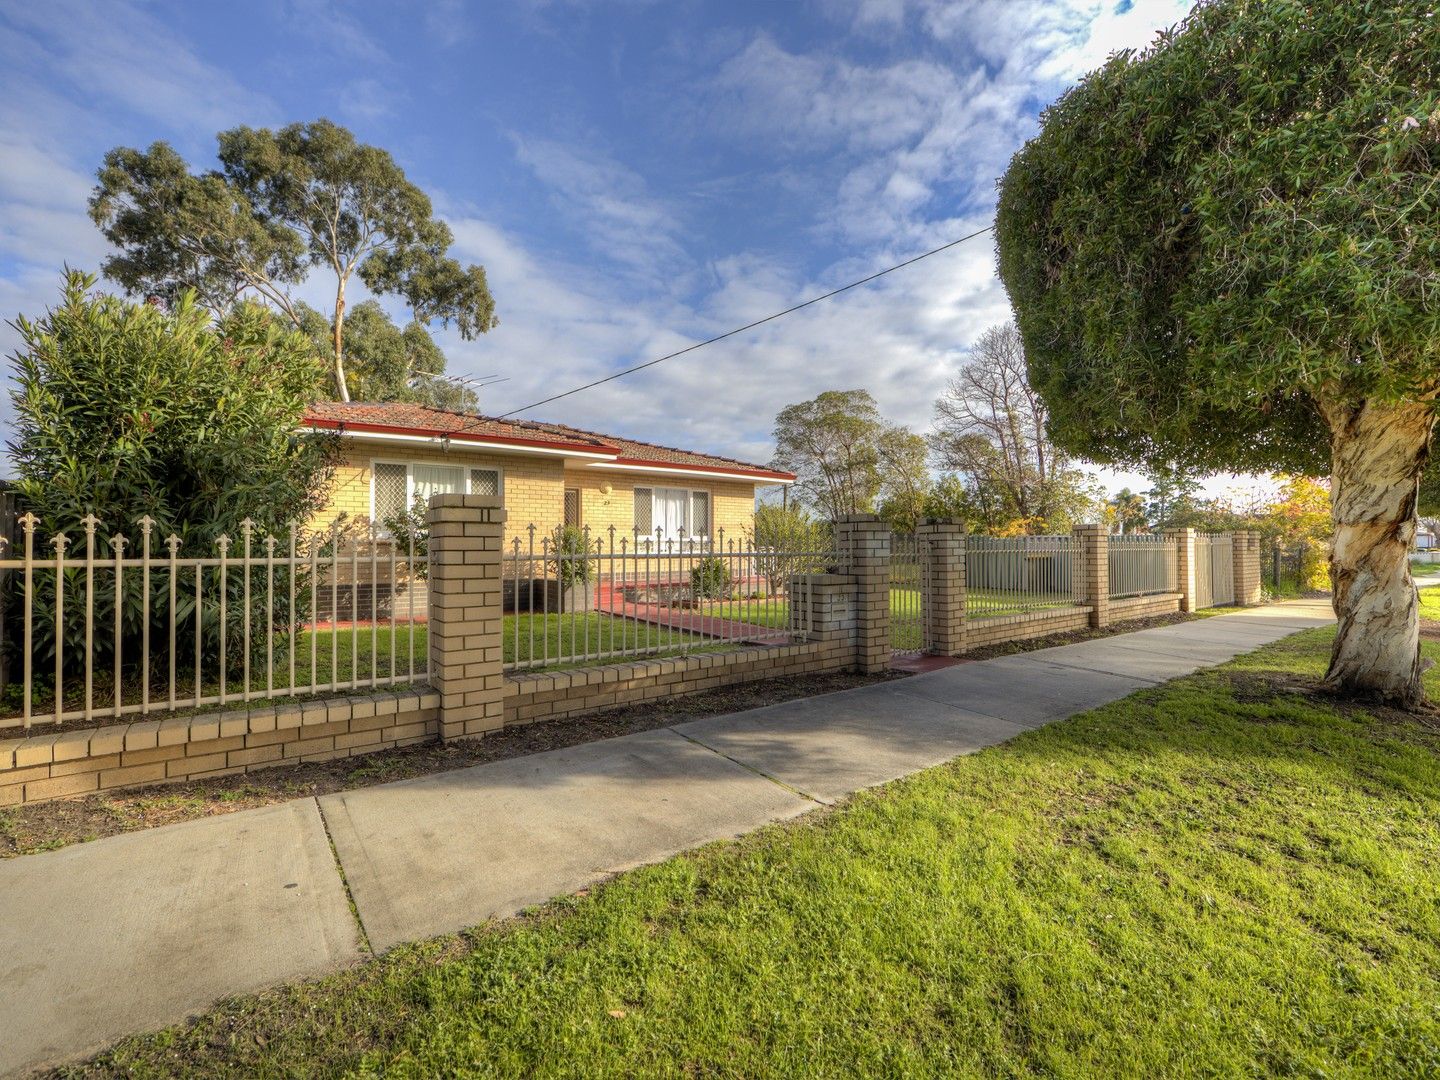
[(282, 204), (1223, 254), (832, 445), (385, 362)]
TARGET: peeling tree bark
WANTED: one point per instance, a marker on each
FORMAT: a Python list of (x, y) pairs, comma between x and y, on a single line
[(1377, 454)]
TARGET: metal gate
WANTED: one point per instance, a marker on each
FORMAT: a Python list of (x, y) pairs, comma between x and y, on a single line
[(1214, 570), (909, 594)]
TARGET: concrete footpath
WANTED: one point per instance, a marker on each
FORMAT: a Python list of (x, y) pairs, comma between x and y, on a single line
[(135, 932)]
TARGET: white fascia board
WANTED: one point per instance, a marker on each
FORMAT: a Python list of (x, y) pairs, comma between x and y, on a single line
[(459, 444), (713, 474)]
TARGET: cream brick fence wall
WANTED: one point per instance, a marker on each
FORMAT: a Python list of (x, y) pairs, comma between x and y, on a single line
[(837, 620), (1156, 577)]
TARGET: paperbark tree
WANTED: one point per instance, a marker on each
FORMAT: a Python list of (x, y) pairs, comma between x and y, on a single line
[(1222, 254)]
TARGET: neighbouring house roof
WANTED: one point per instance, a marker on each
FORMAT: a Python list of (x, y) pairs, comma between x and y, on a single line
[(394, 418)]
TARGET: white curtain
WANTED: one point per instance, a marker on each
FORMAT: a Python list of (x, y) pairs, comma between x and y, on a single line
[(671, 512), (427, 480)]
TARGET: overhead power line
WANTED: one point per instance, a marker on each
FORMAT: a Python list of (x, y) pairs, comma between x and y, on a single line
[(748, 326)]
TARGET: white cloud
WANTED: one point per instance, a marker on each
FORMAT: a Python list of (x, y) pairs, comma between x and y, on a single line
[(121, 54), (336, 29), (892, 155), (611, 207)]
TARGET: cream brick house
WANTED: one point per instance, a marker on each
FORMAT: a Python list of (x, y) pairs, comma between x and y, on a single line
[(546, 474)]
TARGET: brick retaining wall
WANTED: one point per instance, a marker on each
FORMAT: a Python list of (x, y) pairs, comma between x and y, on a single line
[(552, 695), (1143, 607), (75, 762), (994, 629)]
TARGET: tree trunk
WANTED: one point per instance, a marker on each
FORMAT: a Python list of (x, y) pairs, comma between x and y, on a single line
[(1377, 454), (341, 389)]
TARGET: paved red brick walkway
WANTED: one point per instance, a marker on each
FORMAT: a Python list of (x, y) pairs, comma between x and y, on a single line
[(692, 620)]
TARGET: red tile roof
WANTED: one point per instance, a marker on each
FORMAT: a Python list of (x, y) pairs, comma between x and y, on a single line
[(401, 417)]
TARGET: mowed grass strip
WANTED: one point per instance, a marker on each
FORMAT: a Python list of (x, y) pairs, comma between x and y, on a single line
[(1227, 875)]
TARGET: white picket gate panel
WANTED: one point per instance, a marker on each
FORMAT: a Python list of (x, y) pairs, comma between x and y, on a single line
[(1214, 570)]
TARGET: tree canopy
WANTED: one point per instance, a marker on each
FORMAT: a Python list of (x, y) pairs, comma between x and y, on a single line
[(127, 409), (830, 443), (1223, 253), (282, 204), (1208, 238), (846, 456), (990, 429), (386, 363)]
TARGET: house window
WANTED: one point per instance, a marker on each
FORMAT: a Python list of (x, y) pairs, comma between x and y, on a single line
[(395, 485), (484, 481), (572, 508), (427, 480), (389, 491), (672, 513)]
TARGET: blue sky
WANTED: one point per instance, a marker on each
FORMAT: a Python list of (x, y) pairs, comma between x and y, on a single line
[(634, 175)]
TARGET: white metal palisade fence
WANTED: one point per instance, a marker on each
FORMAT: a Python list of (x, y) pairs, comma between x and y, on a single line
[(585, 597), (171, 637), (1006, 575), (1143, 564)]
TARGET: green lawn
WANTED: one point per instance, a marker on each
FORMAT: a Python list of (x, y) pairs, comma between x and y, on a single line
[(566, 636), (773, 613), (349, 655), (1220, 876), (557, 637)]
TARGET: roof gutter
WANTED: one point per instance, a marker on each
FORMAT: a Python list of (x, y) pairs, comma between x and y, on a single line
[(641, 465), (428, 436)]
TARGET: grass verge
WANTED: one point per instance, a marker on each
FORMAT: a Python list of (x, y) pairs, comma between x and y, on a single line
[(1226, 875)]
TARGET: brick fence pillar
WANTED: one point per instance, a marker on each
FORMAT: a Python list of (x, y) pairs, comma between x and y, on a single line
[(943, 546), (822, 609), (466, 621), (1091, 550), (1245, 560), (864, 548), (1185, 566)]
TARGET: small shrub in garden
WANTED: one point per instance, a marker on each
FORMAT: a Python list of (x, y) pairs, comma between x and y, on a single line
[(410, 532), (130, 409), (570, 550), (710, 579)]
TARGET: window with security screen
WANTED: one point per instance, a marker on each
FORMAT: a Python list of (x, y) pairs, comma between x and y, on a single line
[(391, 490), (484, 481), (397, 485), (644, 511)]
